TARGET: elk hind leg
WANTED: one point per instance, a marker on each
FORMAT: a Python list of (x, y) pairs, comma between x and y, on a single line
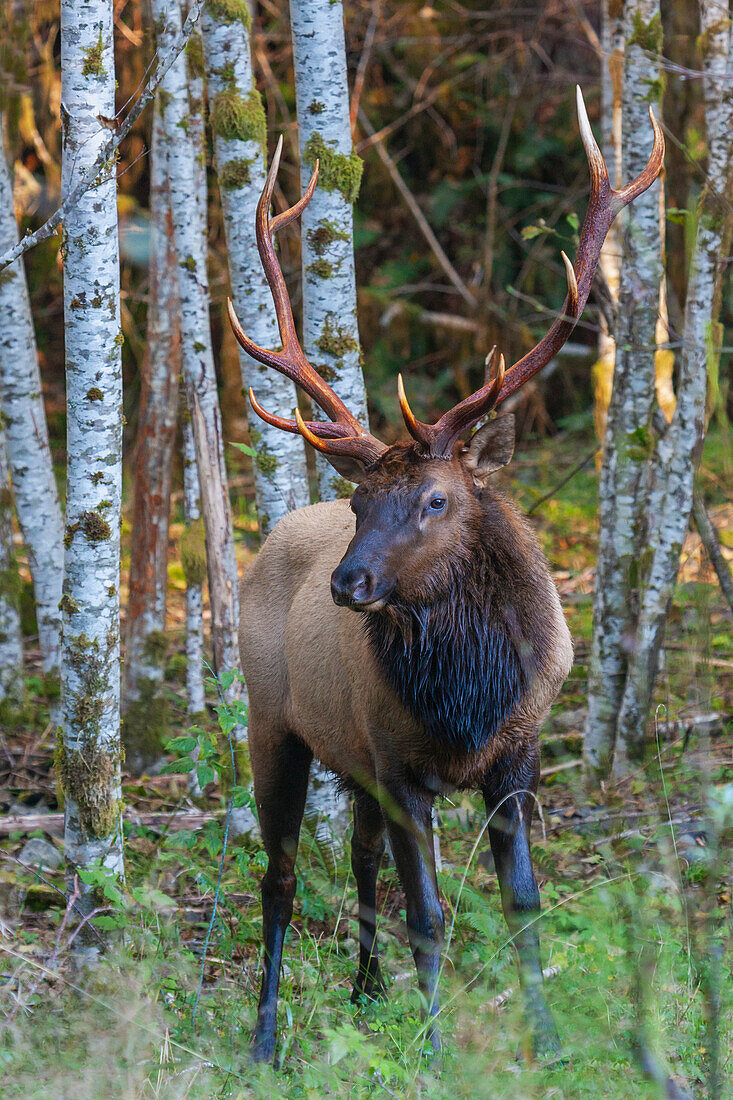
[(367, 849), (411, 837), (509, 832), (281, 783)]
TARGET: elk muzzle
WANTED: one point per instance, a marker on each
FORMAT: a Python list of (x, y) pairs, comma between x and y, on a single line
[(355, 585)]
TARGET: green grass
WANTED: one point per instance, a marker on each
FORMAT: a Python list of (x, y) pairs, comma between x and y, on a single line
[(124, 1029)]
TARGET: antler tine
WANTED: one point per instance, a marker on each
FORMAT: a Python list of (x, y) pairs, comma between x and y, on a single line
[(603, 206), (422, 433), (365, 448), (326, 429), (291, 361), (438, 439), (344, 429)]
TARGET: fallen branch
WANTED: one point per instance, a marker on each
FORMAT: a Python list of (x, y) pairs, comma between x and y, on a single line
[(560, 767), (709, 538), (165, 822), (501, 999), (89, 180)]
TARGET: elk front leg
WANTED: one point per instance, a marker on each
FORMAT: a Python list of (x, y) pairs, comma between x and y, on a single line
[(509, 832), (407, 812), (367, 849), (281, 782)]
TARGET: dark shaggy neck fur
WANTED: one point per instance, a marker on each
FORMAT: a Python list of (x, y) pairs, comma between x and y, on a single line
[(460, 663)]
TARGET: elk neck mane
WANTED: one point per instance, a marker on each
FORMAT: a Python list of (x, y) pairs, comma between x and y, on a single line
[(460, 663)]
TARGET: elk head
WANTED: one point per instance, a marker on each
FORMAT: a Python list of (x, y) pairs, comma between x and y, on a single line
[(417, 505)]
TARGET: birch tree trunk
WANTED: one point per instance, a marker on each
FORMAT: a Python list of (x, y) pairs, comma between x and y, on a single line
[(199, 376), (628, 439), (239, 128), (26, 431), (669, 501), (11, 639), (193, 557), (145, 705), (89, 757), (330, 331)]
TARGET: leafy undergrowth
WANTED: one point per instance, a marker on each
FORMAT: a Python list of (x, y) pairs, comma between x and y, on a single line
[(636, 884)]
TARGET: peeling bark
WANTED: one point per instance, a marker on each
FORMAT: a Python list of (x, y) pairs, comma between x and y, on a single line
[(199, 376), (628, 438), (281, 478), (11, 640), (90, 750), (330, 330), (26, 432), (146, 609)]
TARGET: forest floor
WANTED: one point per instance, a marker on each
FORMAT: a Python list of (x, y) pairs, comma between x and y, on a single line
[(635, 882)]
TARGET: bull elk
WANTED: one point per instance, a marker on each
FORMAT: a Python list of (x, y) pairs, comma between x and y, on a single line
[(411, 639)]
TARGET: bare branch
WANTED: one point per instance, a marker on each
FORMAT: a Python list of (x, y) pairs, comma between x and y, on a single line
[(30, 240), (417, 213), (709, 538)]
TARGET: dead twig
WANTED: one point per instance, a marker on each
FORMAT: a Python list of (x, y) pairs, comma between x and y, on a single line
[(364, 62), (414, 208), (561, 484)]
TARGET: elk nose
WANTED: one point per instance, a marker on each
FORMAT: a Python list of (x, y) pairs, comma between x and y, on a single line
[(352, 585)]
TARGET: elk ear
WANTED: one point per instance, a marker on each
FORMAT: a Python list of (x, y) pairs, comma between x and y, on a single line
[(490, 448), (348, 468)]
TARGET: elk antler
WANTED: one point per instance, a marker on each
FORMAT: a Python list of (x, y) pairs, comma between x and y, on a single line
[(344, 436), (603, 206)]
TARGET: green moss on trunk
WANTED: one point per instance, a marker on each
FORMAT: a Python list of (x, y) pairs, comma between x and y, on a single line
[(648, 36), (320, 268), (239, 118), (229, 11), (93, 59), (235, 174), (324, 235), (88, 777), (337, 171), (335, 340)]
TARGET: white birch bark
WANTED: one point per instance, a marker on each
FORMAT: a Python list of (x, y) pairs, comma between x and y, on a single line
[(330, 330), (89, 763), (670, 496), (193, 553), (29, 455), (239, 129), (11, 640), (145, 708), (198, 360), (628, 439)]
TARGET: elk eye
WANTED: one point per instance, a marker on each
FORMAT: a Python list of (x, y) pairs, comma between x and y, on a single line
[(438, 504)]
